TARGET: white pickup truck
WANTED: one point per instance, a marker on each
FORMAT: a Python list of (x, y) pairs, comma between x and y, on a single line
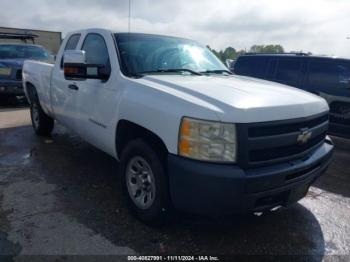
[(188, 133)]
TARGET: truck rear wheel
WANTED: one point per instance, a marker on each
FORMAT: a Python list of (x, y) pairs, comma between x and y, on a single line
[(144, 182), (41, 122)]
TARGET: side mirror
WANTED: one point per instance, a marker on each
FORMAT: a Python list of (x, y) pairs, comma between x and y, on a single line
[(76, 68), (74, 64)]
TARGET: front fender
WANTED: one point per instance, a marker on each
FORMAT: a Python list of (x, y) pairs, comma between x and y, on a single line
[(160, 111)]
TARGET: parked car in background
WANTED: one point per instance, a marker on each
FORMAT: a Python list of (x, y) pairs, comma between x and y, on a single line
[(325, 76), (188, 133), (12, 57)]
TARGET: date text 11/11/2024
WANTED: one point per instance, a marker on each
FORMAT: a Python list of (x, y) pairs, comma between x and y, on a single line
[(173, 258)]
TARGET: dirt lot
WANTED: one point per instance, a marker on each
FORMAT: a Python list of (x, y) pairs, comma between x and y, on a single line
[(60, 196)]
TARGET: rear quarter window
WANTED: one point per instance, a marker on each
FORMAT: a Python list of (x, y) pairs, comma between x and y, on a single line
[(71, 44), (328, 74)]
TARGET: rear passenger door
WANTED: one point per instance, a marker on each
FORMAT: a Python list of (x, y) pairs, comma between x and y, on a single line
[(63, 99)]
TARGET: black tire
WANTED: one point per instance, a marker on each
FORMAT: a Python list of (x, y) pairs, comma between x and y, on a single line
[(156, 213), (41, 122)]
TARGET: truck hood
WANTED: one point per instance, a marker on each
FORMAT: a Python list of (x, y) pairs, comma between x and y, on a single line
[(240, 99)]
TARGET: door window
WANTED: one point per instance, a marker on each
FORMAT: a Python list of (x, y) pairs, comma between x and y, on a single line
[(271, 71), (289, 71), (96, 50), (330, 74), (254, 66), (96, 53)]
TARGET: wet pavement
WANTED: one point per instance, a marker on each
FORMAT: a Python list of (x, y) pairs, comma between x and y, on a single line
[(60, 196)]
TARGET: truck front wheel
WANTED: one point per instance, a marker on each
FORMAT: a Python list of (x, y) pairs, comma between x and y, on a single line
[(42, 123), (144, 182)]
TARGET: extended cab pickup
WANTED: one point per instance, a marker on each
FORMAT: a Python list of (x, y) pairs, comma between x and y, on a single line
[(188, 133)]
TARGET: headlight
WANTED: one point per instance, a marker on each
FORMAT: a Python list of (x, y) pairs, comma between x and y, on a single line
[(207, 141)]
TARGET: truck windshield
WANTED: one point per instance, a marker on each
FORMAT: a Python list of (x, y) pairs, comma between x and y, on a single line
[(24, 52), (142, 53)]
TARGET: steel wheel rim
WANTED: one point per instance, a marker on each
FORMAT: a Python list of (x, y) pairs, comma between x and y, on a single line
[(35, 115), (140, 182)]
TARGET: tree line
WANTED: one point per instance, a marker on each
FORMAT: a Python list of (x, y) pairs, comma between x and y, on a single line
[(232, 53)]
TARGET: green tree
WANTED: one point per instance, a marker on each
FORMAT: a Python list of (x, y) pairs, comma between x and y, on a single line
[(232, 53), (273, 49), (229, 53)]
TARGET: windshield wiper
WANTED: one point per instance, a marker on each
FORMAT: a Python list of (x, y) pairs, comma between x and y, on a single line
[(172, 70), (218, 71)]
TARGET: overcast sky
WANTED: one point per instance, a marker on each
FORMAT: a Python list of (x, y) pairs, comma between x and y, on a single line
[(319, 26)]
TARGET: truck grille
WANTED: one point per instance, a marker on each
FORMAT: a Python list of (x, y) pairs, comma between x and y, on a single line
[(277, 141), (340, 113)]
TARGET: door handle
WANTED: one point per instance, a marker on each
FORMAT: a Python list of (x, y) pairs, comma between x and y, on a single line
[(73, 87)]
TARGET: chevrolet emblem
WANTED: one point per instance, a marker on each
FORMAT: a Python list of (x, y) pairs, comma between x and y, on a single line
[(304, 136)]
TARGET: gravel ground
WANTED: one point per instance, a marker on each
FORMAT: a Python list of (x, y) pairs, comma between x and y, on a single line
[(59, 196)]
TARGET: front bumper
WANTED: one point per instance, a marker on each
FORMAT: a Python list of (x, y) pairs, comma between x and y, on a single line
[(11, 88), (209, 188)]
